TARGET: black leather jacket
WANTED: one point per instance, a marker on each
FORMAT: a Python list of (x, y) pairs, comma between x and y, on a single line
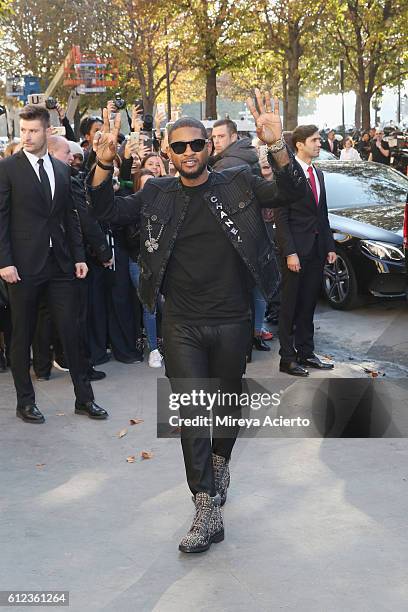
[(240, 194)]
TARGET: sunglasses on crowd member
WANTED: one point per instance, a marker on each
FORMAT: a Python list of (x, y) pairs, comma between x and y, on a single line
[(196, 145)]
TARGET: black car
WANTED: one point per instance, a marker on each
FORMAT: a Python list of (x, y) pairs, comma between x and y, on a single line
[(367, 204)]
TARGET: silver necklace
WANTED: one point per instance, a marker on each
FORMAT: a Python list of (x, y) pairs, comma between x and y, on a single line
[(152, 244)]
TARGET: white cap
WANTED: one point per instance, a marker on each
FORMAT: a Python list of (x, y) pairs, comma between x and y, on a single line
[(76, 149)]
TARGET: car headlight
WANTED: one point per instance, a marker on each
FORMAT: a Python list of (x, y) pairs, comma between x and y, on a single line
[(382, 250)]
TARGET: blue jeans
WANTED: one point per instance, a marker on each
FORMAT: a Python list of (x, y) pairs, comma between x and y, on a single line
[(259, 309), (149, 319)]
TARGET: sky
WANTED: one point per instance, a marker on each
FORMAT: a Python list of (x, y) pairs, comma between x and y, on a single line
[(328, 111)]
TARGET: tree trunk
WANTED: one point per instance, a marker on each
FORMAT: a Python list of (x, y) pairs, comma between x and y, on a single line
[(285, 97), (293, 54), (365, 110), (211, 94), (357, 111)]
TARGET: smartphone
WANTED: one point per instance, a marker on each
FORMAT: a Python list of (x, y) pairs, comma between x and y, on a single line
[(139, 103), (146, 139), (59, 131), (134, 137)]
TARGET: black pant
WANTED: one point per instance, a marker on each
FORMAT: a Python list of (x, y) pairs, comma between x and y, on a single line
[(5, 328), (206, 352), (47, 344), (62, 298), (299, 295)]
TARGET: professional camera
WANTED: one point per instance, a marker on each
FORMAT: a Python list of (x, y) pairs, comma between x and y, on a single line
[(3, 110), (50, 103), (119, 101)]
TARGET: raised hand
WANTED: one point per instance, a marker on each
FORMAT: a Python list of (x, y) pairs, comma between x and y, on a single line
[(267, 120), (105, 143)]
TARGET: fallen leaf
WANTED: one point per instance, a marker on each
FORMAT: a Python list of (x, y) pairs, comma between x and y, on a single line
[(131, 459), (146, 455), (136, 421), (122, 433), (40, 465), (372, 373)]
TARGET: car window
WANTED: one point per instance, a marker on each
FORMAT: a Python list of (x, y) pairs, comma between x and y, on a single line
[(349, 186), (326, 155)]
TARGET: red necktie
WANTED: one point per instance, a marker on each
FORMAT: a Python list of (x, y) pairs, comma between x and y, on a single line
[(313, 183)]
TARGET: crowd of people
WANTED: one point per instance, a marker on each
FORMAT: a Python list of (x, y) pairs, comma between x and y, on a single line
[(113, 320), (366, 146)]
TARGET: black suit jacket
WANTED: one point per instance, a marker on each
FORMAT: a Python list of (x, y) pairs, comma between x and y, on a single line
[(27, 224), (336, 147), (298, 223)]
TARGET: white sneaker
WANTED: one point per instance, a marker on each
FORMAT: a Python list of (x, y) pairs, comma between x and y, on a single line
[(155, 359), (59, 367)]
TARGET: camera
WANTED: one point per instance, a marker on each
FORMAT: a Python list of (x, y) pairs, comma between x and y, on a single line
[(119, 101), (148, 123), (3, 110), (50, 103)]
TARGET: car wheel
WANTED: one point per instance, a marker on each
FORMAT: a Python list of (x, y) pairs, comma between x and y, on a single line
[(340, 283)]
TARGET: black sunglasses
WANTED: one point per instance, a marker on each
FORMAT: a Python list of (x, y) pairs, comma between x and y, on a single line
[(196, 145)]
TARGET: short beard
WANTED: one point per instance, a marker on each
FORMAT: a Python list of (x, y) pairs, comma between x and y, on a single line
[(192, 175)]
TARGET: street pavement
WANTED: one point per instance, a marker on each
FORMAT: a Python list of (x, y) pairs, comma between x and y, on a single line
[(311, 524)]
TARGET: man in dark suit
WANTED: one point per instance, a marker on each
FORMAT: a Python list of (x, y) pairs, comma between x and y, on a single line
[(41, 251), (305, 242), (331, 144)]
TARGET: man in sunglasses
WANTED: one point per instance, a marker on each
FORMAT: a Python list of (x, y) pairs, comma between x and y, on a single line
[(204, 246)]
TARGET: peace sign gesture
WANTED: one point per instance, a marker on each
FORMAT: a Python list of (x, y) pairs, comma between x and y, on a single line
[(268, 121), (106, 142)]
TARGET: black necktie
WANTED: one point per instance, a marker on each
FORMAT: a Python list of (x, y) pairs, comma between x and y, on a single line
[(45, 183)]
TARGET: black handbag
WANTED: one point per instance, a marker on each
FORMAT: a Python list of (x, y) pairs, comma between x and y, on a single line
[(4, 300)]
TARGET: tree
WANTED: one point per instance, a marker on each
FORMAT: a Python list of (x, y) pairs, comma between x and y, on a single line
[(37, 34), (220, 40), (144, 30), (371, 37), (290, 28)]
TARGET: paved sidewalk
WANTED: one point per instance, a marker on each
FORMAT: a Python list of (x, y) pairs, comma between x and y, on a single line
[(311, 525)]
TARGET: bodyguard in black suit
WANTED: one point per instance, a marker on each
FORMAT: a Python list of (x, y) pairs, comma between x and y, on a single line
[(331, 144), (41, 251), (305, 242)]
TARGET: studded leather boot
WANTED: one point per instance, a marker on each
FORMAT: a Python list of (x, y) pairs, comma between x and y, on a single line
[(207, 527), (221, 476)]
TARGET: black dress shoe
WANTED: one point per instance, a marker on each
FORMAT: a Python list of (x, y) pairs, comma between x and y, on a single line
[(293, 368), (260, 344), (91, 409), (314, 362), (95, 374), (30, 414)]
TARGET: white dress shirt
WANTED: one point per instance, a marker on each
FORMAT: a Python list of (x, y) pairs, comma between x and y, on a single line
[(305, 170), (33, 159)]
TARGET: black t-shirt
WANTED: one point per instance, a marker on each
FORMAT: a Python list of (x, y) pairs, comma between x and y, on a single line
[(206, 281), (377, 156)]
